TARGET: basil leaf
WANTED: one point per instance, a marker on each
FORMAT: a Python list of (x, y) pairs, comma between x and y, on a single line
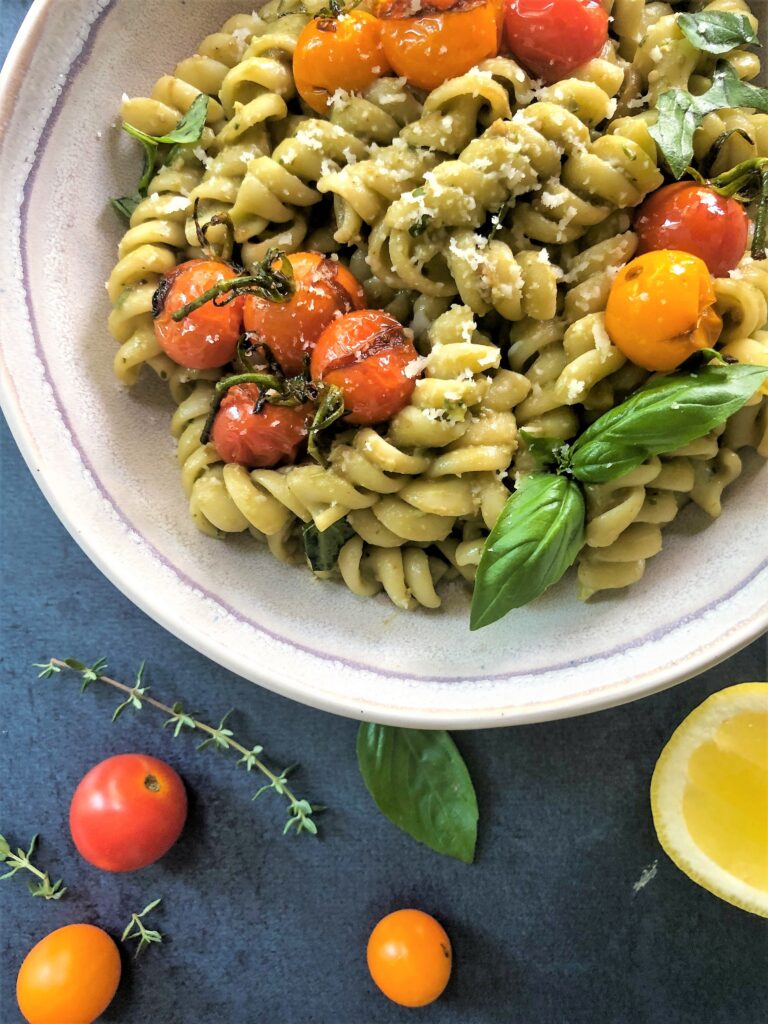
[(661, 417), (680, 113), (189, 129), (536, 538), (322, 548), (545, 450), (125, 205), (128, 204), (418, 779), (717, 31)]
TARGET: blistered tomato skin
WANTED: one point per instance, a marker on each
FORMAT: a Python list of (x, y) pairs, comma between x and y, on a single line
[(325, 290), (207, 337), (410, 958), (660, 309), (262, 439), (69, 977), (343, 52), (552, 37), (443, 40), (368, 355), (697, 220)]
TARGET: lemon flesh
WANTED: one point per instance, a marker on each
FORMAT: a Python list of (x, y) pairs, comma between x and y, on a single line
[(709, 796)]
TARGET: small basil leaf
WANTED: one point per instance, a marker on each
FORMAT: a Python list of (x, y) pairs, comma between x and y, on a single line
[(728, 90), (322, 548), (125, 205), (545, 450), (661, 417), (418, 779), (717, 31), (189, 129), (536, 538)]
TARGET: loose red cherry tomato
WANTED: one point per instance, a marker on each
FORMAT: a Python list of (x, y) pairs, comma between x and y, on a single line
[(552, 37), (207, 337), (69, 977), (444, 39), (259, 439), (368, 355), (660, 309), (409, 957), (127, 812), (696, 219), (341, 52), (324, 290)]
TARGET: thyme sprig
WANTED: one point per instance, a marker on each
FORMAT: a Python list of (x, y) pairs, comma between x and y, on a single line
[(22, 861), (299, 812), (136, 929)]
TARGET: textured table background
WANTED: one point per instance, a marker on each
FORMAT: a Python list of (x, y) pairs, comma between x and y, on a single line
[(546, 926)]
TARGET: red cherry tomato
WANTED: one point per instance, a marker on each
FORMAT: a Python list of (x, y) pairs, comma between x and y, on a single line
[(324, 290), (69, 977), (207, 337), (259, 439), (368, 355), (697, 220), (127, 812), (552, 37)]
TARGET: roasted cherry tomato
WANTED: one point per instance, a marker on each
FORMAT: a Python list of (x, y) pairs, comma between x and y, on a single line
[(269, 437), (660, 309), (696, 219), (324, 290), (409, 957), (69, 977), (441, 40), (341, 52), (552, 37), (368, 355), (207, 337), (127, 812)]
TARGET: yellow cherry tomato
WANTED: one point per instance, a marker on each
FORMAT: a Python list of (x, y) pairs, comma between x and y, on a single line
[(340, 52), (69, 977), (409, 957), (661, 309)]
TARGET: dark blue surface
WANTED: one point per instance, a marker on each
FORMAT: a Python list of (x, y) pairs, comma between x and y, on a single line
[(546, 927)]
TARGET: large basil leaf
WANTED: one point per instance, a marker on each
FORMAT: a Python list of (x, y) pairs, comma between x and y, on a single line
[(419, 780), (680, 113), (661, 417), (717, 31), (536, 538), (322, 548)]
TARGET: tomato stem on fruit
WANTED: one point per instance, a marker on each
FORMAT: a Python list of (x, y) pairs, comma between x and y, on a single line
[(331, 408), (266, 281), (289, 391), (201, 230)]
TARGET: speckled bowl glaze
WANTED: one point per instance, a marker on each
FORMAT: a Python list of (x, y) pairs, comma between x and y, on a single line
[(105, 460)]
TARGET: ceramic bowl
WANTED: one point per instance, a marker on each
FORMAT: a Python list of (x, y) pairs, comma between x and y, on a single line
[(105, 460)]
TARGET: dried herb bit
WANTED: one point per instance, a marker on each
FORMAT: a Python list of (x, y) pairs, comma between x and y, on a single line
[(22, 861), (267, 281), (330, 409), (136, 929), (322, 547), (299, 812), (717, 31), (419, 226)]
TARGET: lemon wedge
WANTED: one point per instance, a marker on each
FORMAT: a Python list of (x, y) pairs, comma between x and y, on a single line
[(709, 796)]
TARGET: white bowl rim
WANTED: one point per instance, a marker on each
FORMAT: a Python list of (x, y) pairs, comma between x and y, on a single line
[(642, 684)]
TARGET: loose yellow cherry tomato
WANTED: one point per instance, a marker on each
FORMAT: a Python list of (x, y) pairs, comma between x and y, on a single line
[(661, 309), (69, 977), (409, 957), (341, 52)]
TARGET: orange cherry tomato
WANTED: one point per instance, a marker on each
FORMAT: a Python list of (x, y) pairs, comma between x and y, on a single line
[(324, 290), (552, 37), (409, 957), (340, 52), (443, 40), (207, 337), (69, 977), (261, 439), (660, 309), (696, 219), (127, 812), (368, 355)]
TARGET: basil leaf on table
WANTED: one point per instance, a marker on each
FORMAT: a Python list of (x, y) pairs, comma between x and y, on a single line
[(418, 779), (322, 548), (717, 31), (536, 538), (680, 113), (661, 417)]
